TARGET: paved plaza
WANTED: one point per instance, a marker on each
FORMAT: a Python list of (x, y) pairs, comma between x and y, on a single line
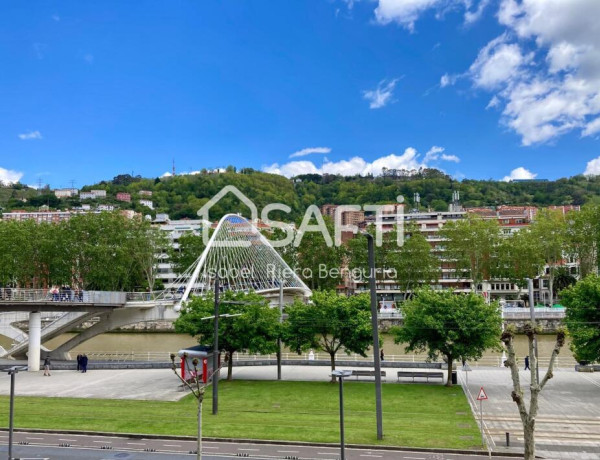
[(568, 424)]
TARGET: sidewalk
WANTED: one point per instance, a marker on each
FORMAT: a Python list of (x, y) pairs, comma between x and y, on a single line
[(568, 422)]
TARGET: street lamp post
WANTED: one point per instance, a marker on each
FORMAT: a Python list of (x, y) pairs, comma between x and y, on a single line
[(375, 326), (13, 371), (340, 375), (215, 392)]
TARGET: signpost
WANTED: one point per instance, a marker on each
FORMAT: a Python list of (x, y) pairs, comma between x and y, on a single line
[(480, 397)]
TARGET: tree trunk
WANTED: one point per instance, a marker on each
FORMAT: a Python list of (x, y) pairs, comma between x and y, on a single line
[(332, 357), (551, 287), (229, 366), (449, 382), (529, 439)]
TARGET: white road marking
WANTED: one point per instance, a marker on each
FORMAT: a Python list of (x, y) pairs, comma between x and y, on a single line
[(250, 449), (137, 443), (103, 442), (172, 445), (27, 437), (370, 455), (207, 447), (288, 451), (60, 439), (415, 458)]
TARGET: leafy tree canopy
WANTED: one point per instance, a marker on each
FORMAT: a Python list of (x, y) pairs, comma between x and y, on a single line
[(255, 330), (456, 326), (583, 317)]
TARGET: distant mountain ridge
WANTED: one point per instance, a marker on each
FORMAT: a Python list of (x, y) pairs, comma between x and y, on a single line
[(182, 195)]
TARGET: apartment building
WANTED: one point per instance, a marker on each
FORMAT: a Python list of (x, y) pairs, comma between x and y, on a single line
[(174, 230), (147, 203), (121, 196), (39, 217), (65, 192), (348, 217)]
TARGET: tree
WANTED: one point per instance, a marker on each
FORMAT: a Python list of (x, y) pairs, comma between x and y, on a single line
[(563, 279), (409, 265), (528, 415), (331, 323), (519, 257), (583, 317), (549, 229), (473, 244), (190, 248), (448, 324), (255, 331), (315, 256), (583, 234)]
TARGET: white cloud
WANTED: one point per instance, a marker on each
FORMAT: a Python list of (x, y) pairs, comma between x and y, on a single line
[(309, 151), (409, 160), (30, 135), (558, 91), (8, 176), (406, 12), (591, 128), (448, 80), (593, 167), (382, 95), (519, 173), (56, 17), (498, 63)]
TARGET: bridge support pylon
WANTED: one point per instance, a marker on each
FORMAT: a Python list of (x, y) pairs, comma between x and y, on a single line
[(35, 341)]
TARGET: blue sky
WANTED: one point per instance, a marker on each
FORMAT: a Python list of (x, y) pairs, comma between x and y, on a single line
[(478, 88)]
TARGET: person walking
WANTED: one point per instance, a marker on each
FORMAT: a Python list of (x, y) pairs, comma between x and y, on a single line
[(526, 362), (381, 355), (84, 363), (78, 363), (47, 366)]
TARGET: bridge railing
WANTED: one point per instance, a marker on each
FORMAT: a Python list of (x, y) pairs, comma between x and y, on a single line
[(12, 295)]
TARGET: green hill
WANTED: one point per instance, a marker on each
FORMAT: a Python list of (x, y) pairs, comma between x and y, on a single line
[(182, 195)]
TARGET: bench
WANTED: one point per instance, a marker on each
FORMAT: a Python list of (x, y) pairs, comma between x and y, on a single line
[(361, 373), (421, 374)]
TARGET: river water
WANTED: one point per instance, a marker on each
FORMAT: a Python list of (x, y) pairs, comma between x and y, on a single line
[(139, 343)]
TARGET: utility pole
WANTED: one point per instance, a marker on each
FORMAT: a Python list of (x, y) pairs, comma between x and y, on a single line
[(375, 326), (532, 313), (279, 338)]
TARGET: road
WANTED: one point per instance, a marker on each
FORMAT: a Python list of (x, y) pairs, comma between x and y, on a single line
[(48, 446)]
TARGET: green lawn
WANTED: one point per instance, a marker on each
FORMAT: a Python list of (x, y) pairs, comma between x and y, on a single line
[(413, 414)]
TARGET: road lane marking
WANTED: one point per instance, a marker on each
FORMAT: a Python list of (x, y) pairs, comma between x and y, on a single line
[(137, 443), (288, 451), (370, 455), (27, 437), (415, 458), (103, 442), (172, 445), (249, 449)]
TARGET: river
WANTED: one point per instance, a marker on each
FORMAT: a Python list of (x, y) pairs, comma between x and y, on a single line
[(140, 343)]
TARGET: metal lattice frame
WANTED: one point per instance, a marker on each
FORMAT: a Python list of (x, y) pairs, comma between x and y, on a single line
[(244, 260)]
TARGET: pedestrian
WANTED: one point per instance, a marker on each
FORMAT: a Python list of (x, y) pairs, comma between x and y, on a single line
[(526, 362), (381, 355), (78, 362), (84, 363), (47, 366)]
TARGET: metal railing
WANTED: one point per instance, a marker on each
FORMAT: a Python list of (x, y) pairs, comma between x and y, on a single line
[(540, 313), (12, 295)]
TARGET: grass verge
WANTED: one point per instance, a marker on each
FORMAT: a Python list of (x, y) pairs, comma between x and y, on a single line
[(413, 415)]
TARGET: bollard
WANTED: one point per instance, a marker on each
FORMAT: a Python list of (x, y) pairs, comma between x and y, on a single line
[(507, 439)]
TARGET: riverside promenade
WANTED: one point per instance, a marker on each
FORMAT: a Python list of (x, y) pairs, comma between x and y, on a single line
[(568, 423)]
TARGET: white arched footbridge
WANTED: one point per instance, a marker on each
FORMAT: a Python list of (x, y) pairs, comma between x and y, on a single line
[(237, 253)]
